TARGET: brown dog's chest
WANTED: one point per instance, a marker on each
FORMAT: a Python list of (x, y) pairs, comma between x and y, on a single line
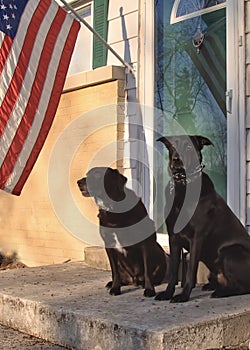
[(191, 217)]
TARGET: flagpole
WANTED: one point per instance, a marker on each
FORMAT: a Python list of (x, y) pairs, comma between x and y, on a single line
[(126, 64)]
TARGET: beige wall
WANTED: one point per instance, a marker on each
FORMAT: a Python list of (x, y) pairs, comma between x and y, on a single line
[(28, 224)]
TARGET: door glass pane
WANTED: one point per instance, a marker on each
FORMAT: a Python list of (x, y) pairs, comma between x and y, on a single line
[(190, 86), (184, 7)]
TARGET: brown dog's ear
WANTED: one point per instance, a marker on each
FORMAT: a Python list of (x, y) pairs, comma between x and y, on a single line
[(204, 141), (121, 179), (165, 140)]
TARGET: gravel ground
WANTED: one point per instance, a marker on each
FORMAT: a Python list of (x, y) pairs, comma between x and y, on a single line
[(238, 348), (11, 339)]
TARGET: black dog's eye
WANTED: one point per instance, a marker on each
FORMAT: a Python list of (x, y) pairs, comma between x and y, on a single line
[(97, 175), (189, 148)]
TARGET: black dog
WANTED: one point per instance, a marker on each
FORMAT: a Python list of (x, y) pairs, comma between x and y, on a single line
[(128, 233), (208, 229)]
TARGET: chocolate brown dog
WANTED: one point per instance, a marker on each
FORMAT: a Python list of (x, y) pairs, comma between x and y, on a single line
[(128, 233), (203, 224)]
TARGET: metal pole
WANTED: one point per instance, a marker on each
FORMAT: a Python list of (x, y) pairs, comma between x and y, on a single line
[(126, 64)]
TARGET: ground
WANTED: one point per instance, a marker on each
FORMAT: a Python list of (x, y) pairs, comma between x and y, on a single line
[(11, 339)]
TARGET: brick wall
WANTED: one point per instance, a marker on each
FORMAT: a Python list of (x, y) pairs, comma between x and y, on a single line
[(28, 224)]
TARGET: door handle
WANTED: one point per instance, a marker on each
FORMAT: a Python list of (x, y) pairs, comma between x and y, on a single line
[(229, 100)]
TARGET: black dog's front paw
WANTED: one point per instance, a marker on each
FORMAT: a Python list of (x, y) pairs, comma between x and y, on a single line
[(179, 298), (222, 293), (109, 285), (149, 293), (115, 291), (163, 296), (214, 295), (139, 283), (207, 287)]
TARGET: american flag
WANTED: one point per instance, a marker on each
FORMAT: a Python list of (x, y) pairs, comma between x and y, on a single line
[(36, 43)]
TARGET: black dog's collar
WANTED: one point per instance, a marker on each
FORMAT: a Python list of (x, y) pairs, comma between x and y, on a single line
[(184, 178), (103, 206)]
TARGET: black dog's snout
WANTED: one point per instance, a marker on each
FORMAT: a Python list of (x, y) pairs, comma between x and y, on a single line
[(80, 182), (83, 187)]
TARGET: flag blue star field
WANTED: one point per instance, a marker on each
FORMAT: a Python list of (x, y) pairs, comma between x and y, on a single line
[(37, 38), (10, 16)]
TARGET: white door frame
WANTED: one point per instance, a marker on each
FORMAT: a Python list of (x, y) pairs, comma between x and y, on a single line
[(145, 84), (236, 132)]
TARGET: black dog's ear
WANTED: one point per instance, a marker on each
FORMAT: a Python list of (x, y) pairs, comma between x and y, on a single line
[(204, 141), (165, 141)]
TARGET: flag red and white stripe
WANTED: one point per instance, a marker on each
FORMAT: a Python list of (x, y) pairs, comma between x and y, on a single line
[(33, 67)]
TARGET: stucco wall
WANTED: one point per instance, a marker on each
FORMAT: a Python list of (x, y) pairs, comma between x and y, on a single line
[(28, 224)]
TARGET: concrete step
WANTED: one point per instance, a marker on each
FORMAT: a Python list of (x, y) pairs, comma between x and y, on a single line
[(96, 257), (68, 305)]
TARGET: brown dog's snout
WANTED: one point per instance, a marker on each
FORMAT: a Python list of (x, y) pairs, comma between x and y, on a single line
[(176, 160)]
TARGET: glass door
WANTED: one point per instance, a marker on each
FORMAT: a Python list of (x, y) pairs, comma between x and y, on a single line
[(190, 83)]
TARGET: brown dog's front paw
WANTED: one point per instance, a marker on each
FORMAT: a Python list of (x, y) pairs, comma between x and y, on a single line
[(149, 293), (163, 296), (115, 291), (179, 298)]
